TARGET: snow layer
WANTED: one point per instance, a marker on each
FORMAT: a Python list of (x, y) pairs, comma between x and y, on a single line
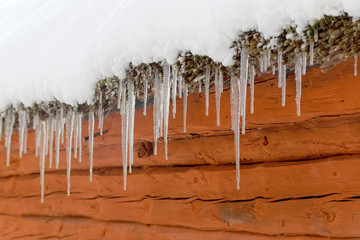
[(59, 49)]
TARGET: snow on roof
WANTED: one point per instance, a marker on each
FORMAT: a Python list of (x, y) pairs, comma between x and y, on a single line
[(59, 49)]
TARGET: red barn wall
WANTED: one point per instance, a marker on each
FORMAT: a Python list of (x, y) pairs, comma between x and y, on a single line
[(300, 176)]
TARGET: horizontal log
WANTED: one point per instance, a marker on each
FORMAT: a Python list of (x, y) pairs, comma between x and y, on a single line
[(291, 198), (84, 228), (311, 139)]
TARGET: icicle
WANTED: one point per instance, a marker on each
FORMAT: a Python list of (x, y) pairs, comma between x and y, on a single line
[(131, 97), (355, 65), (69, 134), (304, 59), (145, 94), (91, 142), (42, 157), (174, 88), (311, 52), (27, 119), (298, 71), (21, 128), (36, 126), (1, 126), (273, 70), (157, 110), (101, 115), (124, 133), (207, 86), (9, 124), (261, 63), (181, 84), (283, 86), (51, 140), (316, 35), (62, 124), (76, 132), (218, 91), (58, 128), (251, 80), (280, 68), (119, 95), (235, 121), (79, 134), (199, 80), (161, 109), (166, 89), (46, 137), (185, 104), (244, 68)]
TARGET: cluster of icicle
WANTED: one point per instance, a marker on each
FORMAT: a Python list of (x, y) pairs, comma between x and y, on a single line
[(48, 133), (166, 87)]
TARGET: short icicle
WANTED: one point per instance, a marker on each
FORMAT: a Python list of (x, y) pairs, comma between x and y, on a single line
[(355, 65), (311, 52), (101, 115), (9, 124)]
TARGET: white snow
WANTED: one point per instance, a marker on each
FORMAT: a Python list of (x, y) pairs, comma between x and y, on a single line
[(59, 49)]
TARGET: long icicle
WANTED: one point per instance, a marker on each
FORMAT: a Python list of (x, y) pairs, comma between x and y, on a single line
[(146, 92), (124, 133), (42, 157), (298, 73), (69, 130), (251, 80), (131, 97), (80, 138), (174, 88), (283, 86), (26, 129), (157, 110), (58, 138), (166, 89), (51, 140), (91, 142), (235, 122), (207, 86), (280, 68), (76, 132), (185, 104), (244, 68)]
